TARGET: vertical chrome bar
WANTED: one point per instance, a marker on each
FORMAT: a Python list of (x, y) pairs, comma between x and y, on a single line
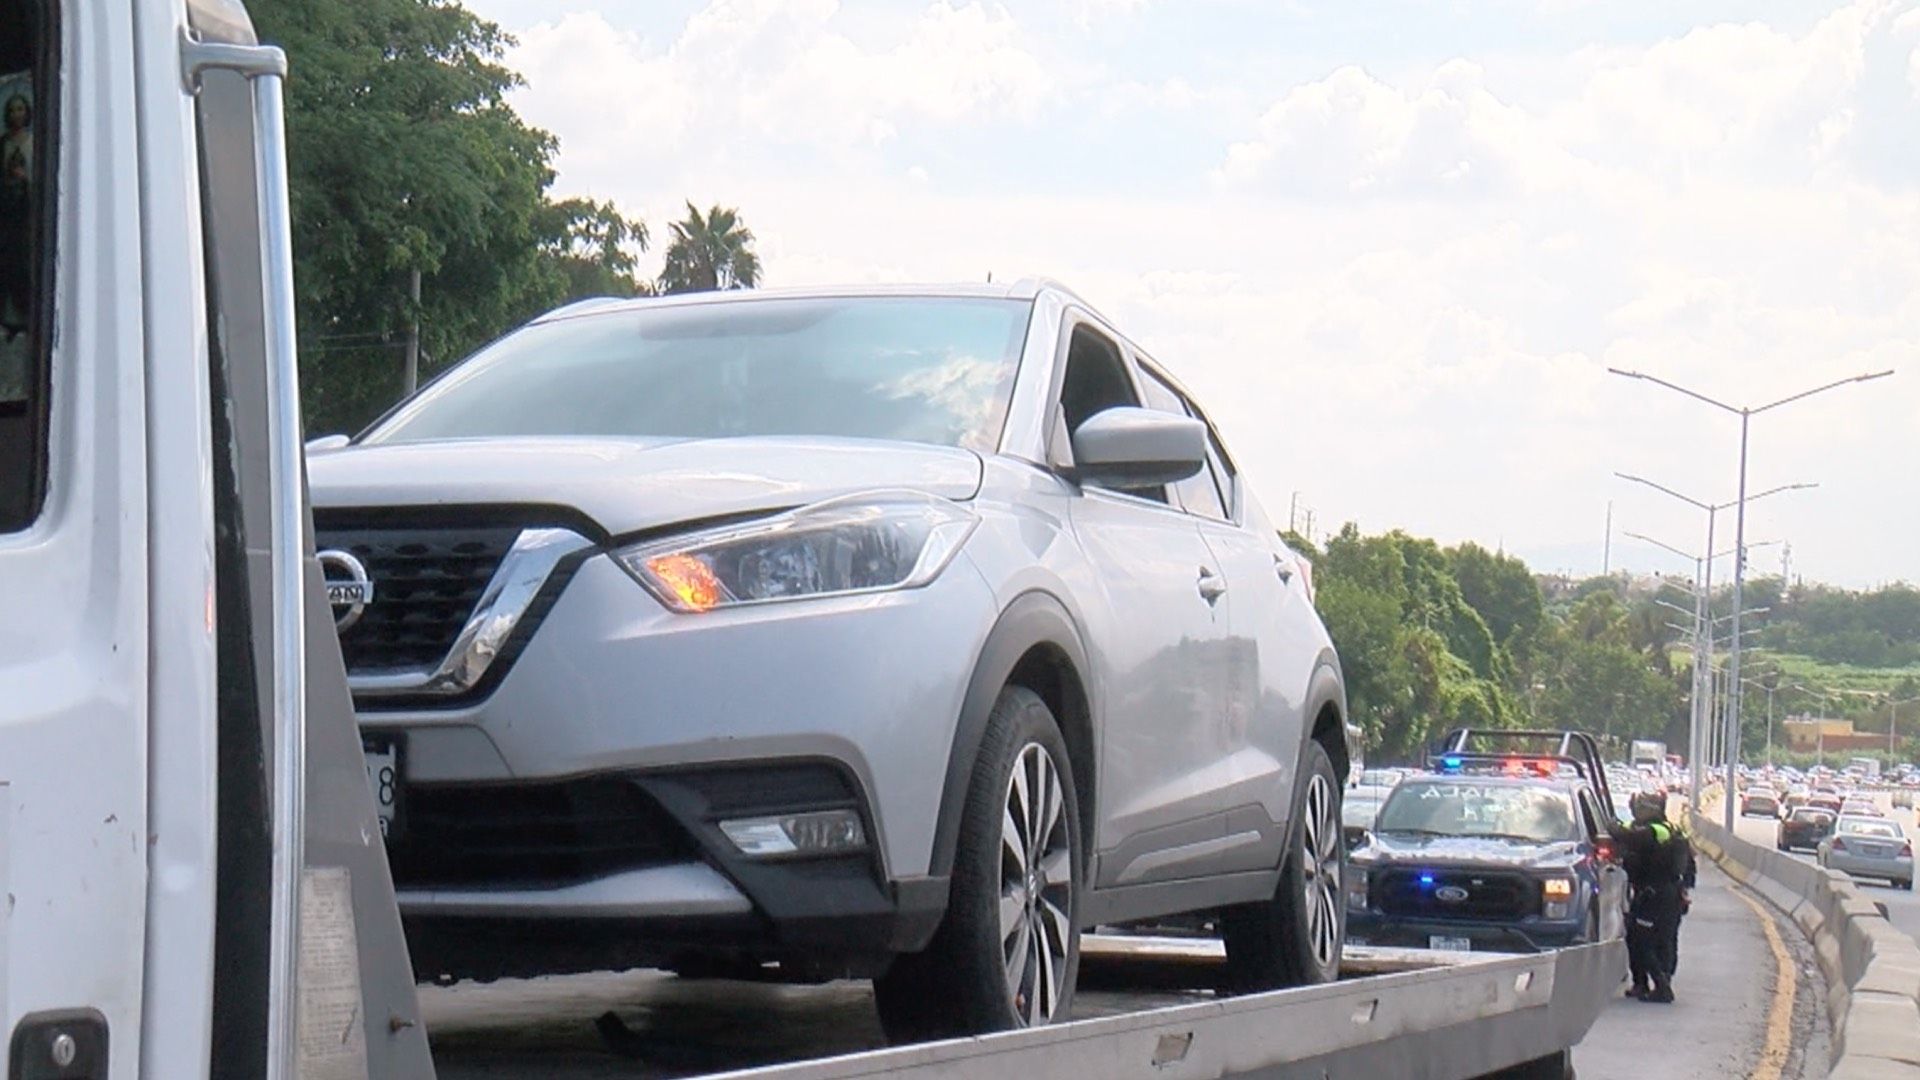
[(289, 576)]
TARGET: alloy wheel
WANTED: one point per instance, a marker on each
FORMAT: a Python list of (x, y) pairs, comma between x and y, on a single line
[(1036, 887), (1321, 865)]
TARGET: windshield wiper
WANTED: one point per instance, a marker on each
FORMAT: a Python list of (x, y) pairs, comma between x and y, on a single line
[(1413, 832)]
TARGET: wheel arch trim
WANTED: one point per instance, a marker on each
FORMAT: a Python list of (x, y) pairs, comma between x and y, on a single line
[(1033, 620)]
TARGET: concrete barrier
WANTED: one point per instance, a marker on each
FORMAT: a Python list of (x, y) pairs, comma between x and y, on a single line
[(1872, 970)]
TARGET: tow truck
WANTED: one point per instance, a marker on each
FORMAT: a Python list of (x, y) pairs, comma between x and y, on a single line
[(194, 875)]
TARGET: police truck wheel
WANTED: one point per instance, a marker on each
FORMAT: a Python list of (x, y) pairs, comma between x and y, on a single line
[(1295, 938), (1008, 952)]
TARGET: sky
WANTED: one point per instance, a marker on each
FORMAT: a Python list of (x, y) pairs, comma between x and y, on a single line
[(1393, 247)]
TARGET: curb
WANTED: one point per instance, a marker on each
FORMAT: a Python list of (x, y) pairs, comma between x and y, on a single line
[(1872, 970)]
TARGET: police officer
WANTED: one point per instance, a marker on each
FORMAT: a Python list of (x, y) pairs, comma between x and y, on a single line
[(1655, 872), (1689, 871)]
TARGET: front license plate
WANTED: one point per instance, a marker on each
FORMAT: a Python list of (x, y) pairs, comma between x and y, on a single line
[(383, 777), (1450, 944)]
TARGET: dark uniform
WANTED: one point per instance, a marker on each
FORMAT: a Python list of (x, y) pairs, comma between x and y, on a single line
[(1689, 877), (1655, 859)]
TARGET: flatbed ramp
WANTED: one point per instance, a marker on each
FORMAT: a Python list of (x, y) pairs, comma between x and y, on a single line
[(1470, 1016)]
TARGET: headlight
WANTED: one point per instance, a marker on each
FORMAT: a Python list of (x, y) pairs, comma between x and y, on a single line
[(859, 544), (1356, 888)]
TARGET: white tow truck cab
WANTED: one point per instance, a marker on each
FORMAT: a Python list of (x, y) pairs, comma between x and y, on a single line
[(155, 862)]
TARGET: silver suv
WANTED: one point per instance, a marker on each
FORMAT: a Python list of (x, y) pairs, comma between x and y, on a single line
[(890, 633)]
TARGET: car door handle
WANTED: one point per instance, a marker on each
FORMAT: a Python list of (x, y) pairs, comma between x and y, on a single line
[(1212, 586)]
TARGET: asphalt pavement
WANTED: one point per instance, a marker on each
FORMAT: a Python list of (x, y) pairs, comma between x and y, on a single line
[(1903, 907), (1725, 1017)]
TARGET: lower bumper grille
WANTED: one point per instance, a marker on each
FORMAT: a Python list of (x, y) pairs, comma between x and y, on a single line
[(531, 835)]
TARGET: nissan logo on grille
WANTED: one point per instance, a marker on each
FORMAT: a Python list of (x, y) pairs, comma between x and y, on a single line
[(349, 589), (1450, 894)]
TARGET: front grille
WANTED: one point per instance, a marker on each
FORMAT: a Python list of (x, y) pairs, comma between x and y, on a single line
[(539, 835), (426, 582), (1491, 894)]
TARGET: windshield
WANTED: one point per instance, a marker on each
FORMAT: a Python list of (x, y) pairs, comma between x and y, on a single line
[(915, 369), (1812, 817), (1456, 808)]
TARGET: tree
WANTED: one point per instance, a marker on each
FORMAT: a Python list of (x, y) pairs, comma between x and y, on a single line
[(710, 251), (1503, 591), (405, 157)]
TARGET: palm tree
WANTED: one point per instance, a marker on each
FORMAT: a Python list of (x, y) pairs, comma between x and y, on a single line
[(710, 252)]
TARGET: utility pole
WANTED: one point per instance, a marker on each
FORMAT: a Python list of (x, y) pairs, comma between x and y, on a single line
[(411, 380), (1606, 550), (1708, 719), (1746, 413)]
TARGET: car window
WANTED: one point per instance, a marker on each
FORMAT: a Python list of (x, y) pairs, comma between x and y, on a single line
[(1588, 817), (1219, 464), (915, 369), (1881, 829), (1197, 492), (1096, 380), (26, 241)]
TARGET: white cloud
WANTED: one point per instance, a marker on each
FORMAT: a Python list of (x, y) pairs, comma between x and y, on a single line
[(785, 71), (1397, 286)]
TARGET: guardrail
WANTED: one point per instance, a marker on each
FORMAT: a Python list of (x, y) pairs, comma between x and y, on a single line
[(1872, 969), (1468, 1019)]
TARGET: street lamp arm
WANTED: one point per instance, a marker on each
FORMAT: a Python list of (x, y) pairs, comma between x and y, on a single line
[(1773, 491), (1806, 393), (1695, 394), (1668, 490), (1661, 544)]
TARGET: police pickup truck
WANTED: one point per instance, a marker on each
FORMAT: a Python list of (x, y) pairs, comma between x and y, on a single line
[(1492, 849)]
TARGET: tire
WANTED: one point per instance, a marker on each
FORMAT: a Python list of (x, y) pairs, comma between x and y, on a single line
[(1295, 938), (965, 983)]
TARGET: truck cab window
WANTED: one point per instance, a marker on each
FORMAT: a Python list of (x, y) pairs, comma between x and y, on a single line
[(25, 285)]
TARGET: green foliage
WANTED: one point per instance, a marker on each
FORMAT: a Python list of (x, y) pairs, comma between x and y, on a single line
[(710, 251), (1431, 640), (1419, 659), (404, 157), (1503, 591), (1877, 629)]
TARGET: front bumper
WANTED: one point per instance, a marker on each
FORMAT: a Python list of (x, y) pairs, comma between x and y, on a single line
[(1527, 935), (612, 689)]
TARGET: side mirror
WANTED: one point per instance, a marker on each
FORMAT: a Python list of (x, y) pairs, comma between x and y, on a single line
[(1128, 447), (327, 442)]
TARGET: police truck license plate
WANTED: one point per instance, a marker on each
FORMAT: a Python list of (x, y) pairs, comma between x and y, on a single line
[(1450, 944), (383, 777)]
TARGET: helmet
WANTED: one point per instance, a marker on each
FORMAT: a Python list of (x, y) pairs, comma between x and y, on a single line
[(1647, 805)]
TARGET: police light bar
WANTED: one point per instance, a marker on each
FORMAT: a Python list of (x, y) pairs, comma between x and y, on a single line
[(1543, 765)]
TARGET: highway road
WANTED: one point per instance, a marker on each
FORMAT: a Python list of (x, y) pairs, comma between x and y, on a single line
[(1903, 907), (647, 1024), (1725, 1019)]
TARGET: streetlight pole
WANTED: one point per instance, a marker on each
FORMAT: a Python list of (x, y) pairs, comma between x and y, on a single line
[(1746, 415), (1704, 717)]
